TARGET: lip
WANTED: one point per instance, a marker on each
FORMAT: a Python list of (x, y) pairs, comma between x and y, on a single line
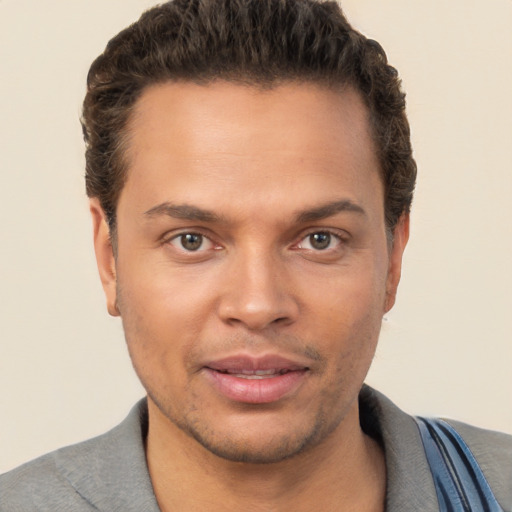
[(255, 380)]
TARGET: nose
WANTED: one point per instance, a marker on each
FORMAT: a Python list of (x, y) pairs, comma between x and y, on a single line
[(257, 292)]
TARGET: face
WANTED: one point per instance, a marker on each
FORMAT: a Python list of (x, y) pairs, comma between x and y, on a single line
[(252, 267)]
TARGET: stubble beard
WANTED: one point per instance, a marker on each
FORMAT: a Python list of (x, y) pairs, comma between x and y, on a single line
[(277, 449), (302, 438)]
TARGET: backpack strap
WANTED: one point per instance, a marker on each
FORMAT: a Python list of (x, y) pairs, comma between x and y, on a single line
[(460, 484)]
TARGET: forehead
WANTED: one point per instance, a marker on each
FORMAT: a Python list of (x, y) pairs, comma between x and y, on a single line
[(229, 113), (197, 141)]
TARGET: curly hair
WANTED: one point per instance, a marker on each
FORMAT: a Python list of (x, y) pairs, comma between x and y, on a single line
[(256, 42)]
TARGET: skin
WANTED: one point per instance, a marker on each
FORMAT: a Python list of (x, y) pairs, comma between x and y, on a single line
[(276, 171)]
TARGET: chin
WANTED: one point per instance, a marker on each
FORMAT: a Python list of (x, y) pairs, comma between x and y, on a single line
[(254, 437), (256, 451)]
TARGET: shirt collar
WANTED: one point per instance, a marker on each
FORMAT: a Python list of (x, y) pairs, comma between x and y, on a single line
[(118, 477), (409, 481)]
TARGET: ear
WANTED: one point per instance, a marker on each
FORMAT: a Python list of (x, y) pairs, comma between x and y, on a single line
[(400, 238), (104, 255)]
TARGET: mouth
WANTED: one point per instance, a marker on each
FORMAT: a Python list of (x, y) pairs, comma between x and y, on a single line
[(254, 380), (256, 374)]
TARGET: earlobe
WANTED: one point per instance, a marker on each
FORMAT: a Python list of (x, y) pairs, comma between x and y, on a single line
[(400, 238), (104, 255)]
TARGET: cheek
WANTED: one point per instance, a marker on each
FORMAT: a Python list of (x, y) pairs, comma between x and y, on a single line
[(347, 314), (353, 341), (164, 298), (348, 295), (160, 325)]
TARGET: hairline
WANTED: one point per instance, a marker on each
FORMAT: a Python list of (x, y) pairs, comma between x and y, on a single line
[(251, 81)]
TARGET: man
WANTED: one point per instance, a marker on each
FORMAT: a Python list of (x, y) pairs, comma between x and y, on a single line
[(251, 175)]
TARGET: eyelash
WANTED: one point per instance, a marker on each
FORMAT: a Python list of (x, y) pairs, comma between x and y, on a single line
[(177, 236), (331, 233)]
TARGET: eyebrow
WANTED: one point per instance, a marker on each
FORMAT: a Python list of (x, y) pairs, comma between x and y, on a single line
[(193, 213), (183, 211), (328, 210)]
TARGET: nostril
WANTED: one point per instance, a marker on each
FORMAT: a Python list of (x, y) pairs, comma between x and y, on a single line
[(257, 311), (255, 324)]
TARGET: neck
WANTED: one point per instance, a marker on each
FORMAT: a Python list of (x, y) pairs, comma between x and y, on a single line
[(345, 472)]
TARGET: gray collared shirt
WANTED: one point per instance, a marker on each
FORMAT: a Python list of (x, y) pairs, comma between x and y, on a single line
[(109, 473)]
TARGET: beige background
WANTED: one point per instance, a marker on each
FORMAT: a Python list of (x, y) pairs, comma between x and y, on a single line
[(446, 348)]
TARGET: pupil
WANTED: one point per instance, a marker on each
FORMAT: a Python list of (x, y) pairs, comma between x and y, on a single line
[(320, 240), (191, 242)]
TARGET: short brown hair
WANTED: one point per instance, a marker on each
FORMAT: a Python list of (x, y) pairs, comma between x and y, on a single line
[(257, 42)]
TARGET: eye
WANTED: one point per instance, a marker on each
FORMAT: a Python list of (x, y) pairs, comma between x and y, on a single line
[(191, 242), (319, 241)]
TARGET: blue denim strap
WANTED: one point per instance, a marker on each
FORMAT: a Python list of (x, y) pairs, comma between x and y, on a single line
[(460, 484)]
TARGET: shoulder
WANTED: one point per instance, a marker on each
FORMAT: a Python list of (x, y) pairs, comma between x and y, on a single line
[(108, 472), (410, 482), (43, 483), (493, 451)]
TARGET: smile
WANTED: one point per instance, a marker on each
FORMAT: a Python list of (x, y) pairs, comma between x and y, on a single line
[(255, 380), (255, 374)]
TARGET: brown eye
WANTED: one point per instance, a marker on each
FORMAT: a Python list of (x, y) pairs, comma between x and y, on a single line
[(191, 241), (320, 241)]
